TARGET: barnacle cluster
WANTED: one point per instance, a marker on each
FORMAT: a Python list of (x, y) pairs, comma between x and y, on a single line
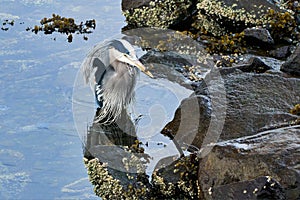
[(219, 21), (184, 184), (212, 13), (222, 22), (64, 25), (159, 13), (108, 187), (207, 26), (105, 185), (162, 186)]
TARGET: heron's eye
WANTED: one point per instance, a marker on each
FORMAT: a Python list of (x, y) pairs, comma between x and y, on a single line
[(131, 66)]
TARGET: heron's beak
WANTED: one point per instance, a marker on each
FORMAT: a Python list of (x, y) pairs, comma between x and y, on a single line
[(135, 62)]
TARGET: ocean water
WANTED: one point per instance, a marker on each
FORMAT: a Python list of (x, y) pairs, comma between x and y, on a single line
[(40, 151)]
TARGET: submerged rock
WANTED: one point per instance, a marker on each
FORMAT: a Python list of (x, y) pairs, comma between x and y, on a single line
[(235, 169), (64, 25)]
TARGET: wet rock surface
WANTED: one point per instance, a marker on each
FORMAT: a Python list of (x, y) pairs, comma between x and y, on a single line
[(235, 167), (262, 152), (281, 52), (249, 107), (255, 102), (260, 188), (260, 36), (254, 64), (292, 65)]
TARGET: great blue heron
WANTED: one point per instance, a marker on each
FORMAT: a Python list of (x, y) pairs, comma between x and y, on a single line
[(111, 68)]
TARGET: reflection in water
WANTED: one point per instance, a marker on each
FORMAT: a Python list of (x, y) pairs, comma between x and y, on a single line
[(117, 164), (116, 144)]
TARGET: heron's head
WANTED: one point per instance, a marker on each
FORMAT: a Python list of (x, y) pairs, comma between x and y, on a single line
[(122, 51)]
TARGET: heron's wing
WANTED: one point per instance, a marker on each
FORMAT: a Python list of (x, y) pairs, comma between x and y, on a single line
[(100, 70), (95, 63)]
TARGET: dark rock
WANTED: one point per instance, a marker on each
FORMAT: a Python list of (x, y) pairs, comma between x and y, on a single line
[(173, 66), (259, 188), (298, 19), (292, 65), (251, 6), (281, 52), (233, 169), (254, 102), (254, 64), (128, 4), (192, 116), (258, 36)]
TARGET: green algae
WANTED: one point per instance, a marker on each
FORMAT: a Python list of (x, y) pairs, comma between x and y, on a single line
[(64, 25)]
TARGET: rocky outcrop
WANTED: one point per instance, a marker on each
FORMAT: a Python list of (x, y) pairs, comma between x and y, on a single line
[(224, 26), (239, 120)]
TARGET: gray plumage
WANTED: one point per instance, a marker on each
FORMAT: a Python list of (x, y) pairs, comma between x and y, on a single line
[(111, 68)]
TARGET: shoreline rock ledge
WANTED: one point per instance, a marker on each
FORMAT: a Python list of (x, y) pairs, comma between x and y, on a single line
[(257, 155)]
